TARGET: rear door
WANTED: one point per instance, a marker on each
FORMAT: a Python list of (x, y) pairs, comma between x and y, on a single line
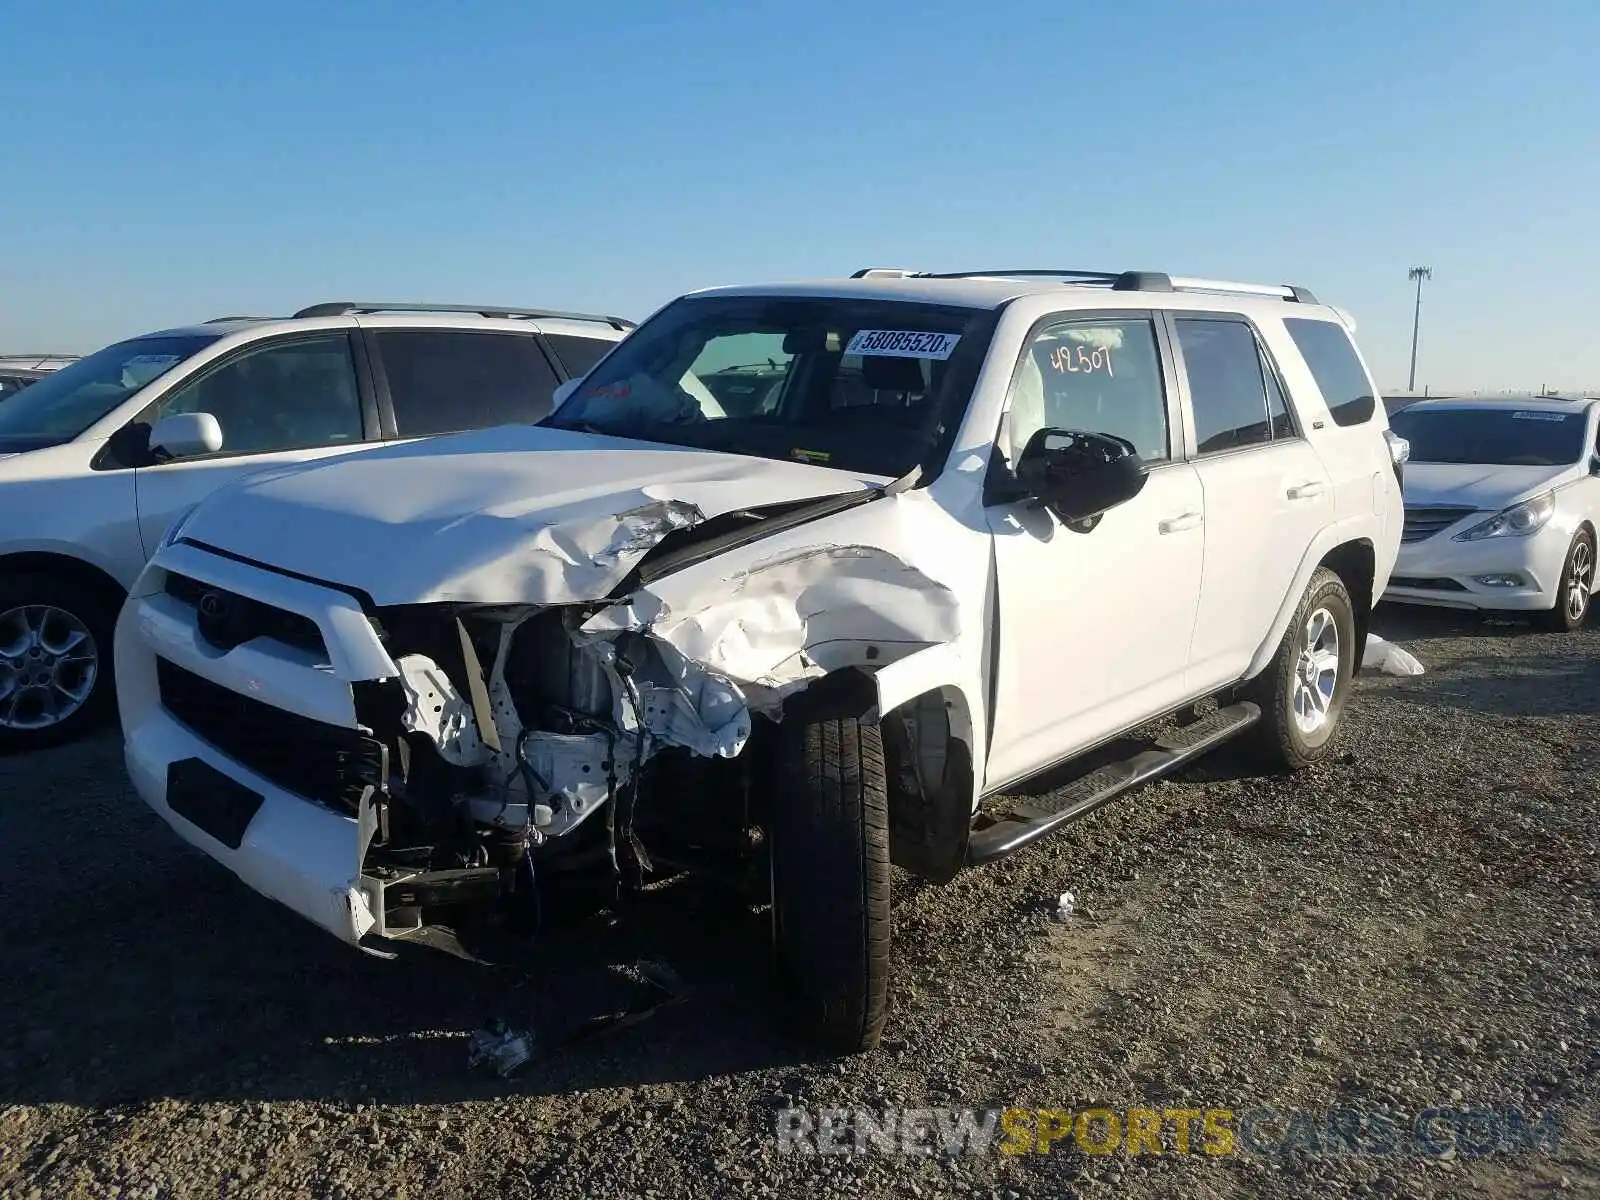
[(282, 401), (1267, 493), (436, 381)]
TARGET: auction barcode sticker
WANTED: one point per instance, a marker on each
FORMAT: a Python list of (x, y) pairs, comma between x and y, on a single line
[(903, 343)]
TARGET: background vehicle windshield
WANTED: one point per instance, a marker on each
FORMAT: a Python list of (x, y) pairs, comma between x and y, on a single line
[(868, 386), (66, 402), (1500, 437)]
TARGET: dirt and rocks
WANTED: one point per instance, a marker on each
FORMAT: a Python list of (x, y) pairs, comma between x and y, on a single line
[(1409, 927)]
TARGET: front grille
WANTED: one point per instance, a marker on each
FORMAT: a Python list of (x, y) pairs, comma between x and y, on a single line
[(321, 762), (253, 618), (1425, 584), (1423, 523)]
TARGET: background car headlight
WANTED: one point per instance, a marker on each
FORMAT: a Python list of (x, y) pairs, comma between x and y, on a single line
[(1517, 521)]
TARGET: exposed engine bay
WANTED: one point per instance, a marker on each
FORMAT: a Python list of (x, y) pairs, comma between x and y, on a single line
[(515, 743)]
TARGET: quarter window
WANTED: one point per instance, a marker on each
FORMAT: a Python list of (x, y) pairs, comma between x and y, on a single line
[(280, 396), (443, 382), (1095, 377), (1227, 384), (578, 354), (1340, 377)]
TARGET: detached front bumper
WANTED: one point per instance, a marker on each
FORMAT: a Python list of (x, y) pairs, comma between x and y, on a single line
[(305, 855), (1506, 574)]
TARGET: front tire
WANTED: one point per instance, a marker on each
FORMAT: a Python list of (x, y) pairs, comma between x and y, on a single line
[(1302, 693), (830, 873), (1576, 590), (55, 661)]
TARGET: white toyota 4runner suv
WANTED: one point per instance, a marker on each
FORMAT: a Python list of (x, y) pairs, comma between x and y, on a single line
[(967, 528)]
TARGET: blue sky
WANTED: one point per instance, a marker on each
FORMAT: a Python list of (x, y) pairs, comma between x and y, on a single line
[(169, 161)]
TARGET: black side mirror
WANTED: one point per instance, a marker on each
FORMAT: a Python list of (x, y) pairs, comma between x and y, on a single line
[(1077, 474)]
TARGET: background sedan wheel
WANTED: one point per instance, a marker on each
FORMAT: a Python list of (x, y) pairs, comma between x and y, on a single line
[(1576, 590), (55, 651)]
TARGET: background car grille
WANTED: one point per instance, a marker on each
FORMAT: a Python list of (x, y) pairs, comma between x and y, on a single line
[(1425, 584), (1423, 523), (321, 762), (259, 620)]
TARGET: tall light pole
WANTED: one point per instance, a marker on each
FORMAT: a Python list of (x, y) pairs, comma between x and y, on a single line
[(1419, 274)]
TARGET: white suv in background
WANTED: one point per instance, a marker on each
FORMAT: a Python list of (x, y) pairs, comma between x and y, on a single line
[(99, 457), (964, 528)]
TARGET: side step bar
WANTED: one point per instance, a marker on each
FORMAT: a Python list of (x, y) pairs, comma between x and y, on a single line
[(1028, 822)]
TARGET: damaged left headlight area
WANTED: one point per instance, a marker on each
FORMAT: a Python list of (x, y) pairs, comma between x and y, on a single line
[(514, 753)]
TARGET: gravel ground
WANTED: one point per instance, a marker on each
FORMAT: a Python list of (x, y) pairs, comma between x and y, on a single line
[(1409, 926)]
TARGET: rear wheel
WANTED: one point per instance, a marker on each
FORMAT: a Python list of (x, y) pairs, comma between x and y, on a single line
[(1576, 590), (1302, 693), (55, 661), (830, 873)]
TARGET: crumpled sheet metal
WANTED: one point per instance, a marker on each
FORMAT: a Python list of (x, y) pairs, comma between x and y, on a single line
[(791, 618), (583, 558)]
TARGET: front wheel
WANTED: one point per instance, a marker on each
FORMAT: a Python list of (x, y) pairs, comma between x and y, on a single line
[(55, 661), (830, 872), (1302, 693), (1576, 589)]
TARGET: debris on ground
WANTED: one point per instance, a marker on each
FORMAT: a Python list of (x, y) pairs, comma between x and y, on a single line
[(1385, 656), (499, 1048), (1066, 906)]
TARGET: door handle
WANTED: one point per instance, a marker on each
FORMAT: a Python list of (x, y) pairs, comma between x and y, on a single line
[(1189, 520), (1307, 491)]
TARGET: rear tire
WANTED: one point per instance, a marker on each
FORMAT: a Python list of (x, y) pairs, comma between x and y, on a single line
[(55, 661), (1302, 693), (1576, 590), (830, 873)]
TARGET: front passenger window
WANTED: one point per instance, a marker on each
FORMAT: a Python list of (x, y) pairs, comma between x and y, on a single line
[(1096, 377), (281, 396)]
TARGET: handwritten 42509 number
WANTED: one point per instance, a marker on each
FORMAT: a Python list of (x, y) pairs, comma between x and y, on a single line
[(1081, 360)]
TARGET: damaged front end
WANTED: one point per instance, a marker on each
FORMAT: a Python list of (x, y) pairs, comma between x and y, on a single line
[(592, 745), (516, 745)]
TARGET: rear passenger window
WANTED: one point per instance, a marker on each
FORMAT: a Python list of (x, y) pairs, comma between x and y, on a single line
[(1227, 386), (443, 382), (578, 354), (1277, 405), (1094, 376), (1336, 368)]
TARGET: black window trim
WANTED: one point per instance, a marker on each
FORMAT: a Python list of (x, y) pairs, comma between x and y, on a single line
[(109, 458), (380, 375), (1170, 318), (999, 480)]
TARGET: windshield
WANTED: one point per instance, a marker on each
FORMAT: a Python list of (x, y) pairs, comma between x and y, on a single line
[(862, 385), (1499, 437), (66, 402)]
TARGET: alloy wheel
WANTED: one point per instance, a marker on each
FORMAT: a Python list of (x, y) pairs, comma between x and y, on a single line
[(48, 666), (1316, 674)]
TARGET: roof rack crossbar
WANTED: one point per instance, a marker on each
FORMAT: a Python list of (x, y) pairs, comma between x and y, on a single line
[(352, 308), (1119, 281)]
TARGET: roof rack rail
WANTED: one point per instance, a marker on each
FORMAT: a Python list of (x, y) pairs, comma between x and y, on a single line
[(883, 273), (1117, 281), (352, 308), (225, 320)]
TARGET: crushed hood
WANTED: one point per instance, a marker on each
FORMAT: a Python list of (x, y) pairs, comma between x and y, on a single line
[(1488, 488), (514, 515)]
